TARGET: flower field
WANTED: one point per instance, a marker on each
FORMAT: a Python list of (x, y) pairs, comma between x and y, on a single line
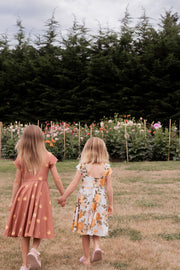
[(126, 139)]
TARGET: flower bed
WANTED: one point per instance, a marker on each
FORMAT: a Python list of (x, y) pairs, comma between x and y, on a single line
[(126, 139)]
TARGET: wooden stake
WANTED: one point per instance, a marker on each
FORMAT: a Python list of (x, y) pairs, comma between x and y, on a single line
[(19, 129), (145, 128), (179, 132), (1, 125), (169, 139), (79, 138), (127, 155), (11, 132), (102, 133), (145, 132), (64, 140), (91, 131)]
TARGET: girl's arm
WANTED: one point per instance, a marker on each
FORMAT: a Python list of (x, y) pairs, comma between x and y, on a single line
[(16, 186), (57, 180), (71, 187), (110, 194)]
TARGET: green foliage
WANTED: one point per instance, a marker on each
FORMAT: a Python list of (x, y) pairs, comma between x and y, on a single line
[(8, 149), (125, 138), (82, 77)]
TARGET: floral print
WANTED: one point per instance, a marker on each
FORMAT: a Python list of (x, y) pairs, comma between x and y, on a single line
[(90, 213)]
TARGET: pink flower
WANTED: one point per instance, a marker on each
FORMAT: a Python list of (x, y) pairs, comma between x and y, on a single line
[(157, 125)]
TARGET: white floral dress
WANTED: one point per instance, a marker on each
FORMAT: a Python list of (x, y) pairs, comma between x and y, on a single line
[(90, 213)]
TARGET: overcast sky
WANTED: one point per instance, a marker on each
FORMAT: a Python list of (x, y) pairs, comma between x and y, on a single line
[(34, 13)]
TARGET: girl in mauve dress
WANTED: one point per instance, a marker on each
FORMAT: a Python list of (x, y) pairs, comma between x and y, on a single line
[(90, 218), (30, 207)]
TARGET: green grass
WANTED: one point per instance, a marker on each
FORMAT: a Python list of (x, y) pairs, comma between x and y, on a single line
[(133, 234), (143, 231), (170, 236), (153, 165), (7, 166), (119, 265)]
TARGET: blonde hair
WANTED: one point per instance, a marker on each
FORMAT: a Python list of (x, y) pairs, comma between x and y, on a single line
[(94, 151), (31, 148)]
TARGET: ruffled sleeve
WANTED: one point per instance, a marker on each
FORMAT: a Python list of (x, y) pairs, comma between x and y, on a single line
[(17, 163), (79, 168), (52, 160), (108, 170)]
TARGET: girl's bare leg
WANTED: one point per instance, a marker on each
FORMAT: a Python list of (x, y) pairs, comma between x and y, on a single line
[(86, 248), (36, 243), (25, 241), (96, 241)]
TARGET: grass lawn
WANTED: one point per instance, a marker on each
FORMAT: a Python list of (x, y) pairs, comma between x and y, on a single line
[(144, 231)]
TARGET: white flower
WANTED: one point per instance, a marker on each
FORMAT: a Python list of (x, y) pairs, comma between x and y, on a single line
[(130, 123), (110, 121)]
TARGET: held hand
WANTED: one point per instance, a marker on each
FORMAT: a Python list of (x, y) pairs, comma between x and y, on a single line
[(61, 200), (110, 210), (63, 203)]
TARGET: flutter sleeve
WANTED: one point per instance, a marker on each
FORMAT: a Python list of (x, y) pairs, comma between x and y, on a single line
[(52, 161), (108, 170), (17, 163), (79, 168)]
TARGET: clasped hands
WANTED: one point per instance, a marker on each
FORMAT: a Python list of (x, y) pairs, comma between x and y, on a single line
[(61, 201)]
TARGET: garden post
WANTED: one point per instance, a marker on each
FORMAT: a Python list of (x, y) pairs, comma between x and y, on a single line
[(179, 132), (51, 128), (79, 138), (145, 132), (1, 125), (126, 137), (91, 130), (64, 140), (11, 132), (169, 139), (102, 133)]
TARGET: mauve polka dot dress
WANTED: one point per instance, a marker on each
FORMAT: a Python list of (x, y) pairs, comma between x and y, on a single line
[(31, 213)]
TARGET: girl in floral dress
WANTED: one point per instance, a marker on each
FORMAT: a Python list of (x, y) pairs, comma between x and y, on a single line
[(91, 211), (30, 207)]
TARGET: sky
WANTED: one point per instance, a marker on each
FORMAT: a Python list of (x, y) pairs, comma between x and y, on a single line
[(107, 13)]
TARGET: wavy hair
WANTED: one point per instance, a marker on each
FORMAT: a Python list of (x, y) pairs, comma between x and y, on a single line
[(94, 151), (31, 149)]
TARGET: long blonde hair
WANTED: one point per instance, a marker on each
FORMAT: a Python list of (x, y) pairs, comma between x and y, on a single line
[(94, 151), (31, 148)]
